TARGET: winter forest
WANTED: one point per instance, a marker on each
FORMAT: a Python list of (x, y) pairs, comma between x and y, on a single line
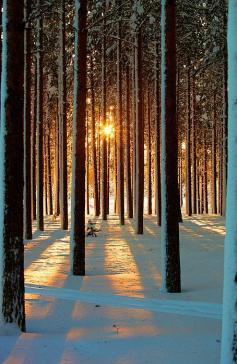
[(118, 182)]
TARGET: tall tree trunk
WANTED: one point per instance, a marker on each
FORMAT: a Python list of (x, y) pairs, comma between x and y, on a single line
[(12, 306), (157, 139), (33, 148), (49, 174), (39, 141), (93, 143), (27, 123), (220, 175), (56, 168), (149, 181), (213, 175), (104, 184), (87, 166), (46, 211), (63, 120), (79, 131), (170, 225), (225, 123), (194, 159), (139, 134), (115, 176), (128, 149), (134, 134), (229, 322), (205, 178), (120, 124), (188, 148)]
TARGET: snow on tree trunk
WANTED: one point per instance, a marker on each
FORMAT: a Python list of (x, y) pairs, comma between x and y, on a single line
[(79, 131), (12, 308), (229, 324), (169, 221)]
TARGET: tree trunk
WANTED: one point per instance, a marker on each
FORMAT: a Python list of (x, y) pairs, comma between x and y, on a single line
[(128, 150), (87, 166), (79, 131), (93, 143), (170, 225), (139, 135), (213, 175), (39, 141), (205, 178), (225, 123), (194, 159), (27, 123), (149, 182), (157, 139), (104, 184), (120, 126), (46, 211), (12, 306), (134, 135), (49, 174), (56, 169), (33, 148), (63, 119), (229, 322), (188, 148)]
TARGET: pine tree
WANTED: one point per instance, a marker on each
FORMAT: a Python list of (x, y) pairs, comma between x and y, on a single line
[(169, 221), (12, 308), (229, 323), (79, 131)]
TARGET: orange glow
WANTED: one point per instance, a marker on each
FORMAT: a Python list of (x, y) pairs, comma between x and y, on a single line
[(34, 309), (108, 130), (119, 261), (51, 267)]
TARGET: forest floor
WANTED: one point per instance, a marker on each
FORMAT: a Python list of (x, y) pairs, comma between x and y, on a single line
[(116, 314)]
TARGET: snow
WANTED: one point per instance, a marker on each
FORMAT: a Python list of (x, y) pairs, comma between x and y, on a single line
[(116, 313), (229, 346)]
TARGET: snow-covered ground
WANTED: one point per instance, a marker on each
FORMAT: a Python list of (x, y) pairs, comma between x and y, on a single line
[(116, 313)]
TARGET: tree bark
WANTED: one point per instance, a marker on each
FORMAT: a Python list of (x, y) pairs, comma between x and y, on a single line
[(12, 306), (63, 119), (213, 175), (56, 169), (79, 131), (229, 321), (120, 126), (139, 134), (170, 225), (194, 151), (188, 148), (157, 139), (104, 184), (39, 137), (128, 149), (149, 181), (93, 142), (33, 148), (27, 123)]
